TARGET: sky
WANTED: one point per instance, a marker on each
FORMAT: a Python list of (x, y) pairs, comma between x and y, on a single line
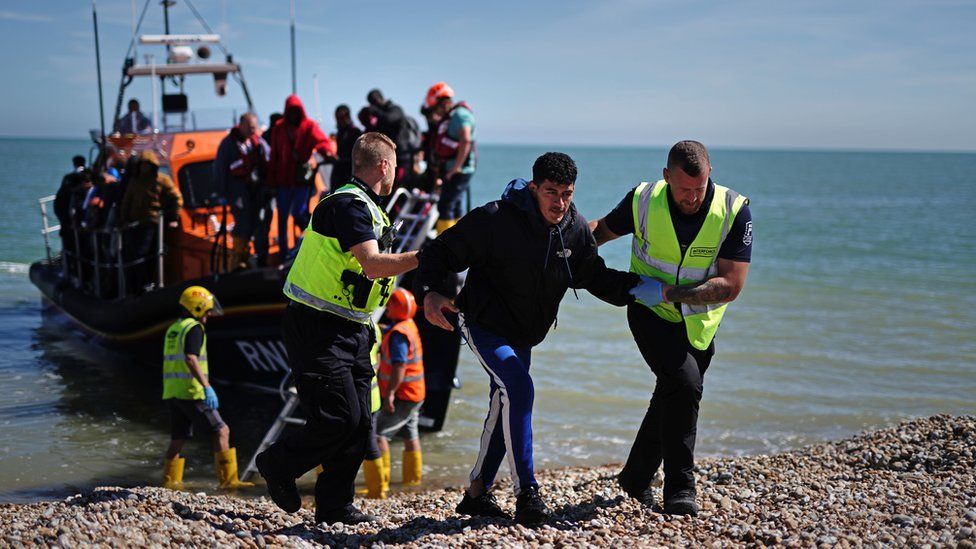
[(886, 75)]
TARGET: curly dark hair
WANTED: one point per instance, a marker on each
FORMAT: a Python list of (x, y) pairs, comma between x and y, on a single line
[(556, 167)]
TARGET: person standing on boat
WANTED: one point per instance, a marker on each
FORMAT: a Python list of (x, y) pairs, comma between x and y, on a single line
[(394, 123), (294, 139), (147, 195), (454, 151), (695, 238), (346, 135), (187, 390), (133, 121), (240, 171), (341, 274), (522, 253)]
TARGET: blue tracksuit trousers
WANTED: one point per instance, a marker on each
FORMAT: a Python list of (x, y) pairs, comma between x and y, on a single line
[(508, 427)]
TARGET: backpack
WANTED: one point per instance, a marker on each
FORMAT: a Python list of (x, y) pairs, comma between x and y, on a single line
[(409, 135)]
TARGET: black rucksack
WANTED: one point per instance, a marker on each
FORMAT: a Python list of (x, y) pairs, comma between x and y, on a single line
[(408, 135)]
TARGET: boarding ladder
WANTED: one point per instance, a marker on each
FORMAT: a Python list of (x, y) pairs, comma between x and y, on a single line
[(414, 215)]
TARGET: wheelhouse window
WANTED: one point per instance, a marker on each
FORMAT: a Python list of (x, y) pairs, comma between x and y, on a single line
[(198, 186)]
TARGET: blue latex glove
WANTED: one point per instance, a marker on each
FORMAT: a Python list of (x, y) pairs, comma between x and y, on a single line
[(648, 291), (210, 398)]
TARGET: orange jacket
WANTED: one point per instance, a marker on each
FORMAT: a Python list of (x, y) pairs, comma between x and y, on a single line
[(412, 388)]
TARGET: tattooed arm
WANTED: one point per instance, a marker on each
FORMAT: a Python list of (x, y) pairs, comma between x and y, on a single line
[(720, 289)]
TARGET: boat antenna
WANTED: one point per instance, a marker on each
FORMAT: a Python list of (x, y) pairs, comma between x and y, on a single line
[(294, 85), (98, 68)]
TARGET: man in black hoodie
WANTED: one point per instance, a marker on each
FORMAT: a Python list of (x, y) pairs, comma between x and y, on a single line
[(522, 253)]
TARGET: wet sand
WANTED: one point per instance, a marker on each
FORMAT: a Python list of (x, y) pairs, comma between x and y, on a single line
[(910, 485)]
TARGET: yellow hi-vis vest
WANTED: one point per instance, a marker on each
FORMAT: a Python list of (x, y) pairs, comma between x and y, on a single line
[(656, 253), (316, 277), (178, 382), (374, 357)]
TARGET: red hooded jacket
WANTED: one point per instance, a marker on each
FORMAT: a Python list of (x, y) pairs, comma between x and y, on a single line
[(292, 146)]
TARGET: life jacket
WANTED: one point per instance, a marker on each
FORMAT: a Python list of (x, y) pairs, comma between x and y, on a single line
[(445, 145), (178, 382), (250, 162), (655, 252), (328, 279), (412, 388)]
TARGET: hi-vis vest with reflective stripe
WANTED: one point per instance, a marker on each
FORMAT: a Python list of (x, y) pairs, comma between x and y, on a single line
[(412, 388), (178, 382), (655, 252), (315, 279), (374, 358)]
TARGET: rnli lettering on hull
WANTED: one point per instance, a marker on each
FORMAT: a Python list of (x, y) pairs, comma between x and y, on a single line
[(264, 356)]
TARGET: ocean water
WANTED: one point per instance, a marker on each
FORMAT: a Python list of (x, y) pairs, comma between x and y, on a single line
[(858, 313)]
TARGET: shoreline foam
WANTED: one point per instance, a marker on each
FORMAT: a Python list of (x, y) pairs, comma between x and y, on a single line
[(909, 485)]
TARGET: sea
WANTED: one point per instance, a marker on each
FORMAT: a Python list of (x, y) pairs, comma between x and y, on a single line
[(859, 312)]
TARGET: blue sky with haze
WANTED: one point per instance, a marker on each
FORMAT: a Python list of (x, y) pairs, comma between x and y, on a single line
[(831, 74)]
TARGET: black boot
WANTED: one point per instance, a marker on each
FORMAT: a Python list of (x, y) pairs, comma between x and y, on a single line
[(681, 502), (481, 506), (530, 510), (645, 495), (283, 491), (346, 515)]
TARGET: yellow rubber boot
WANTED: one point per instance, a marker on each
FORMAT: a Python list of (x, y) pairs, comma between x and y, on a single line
[(173, 473), (412, 467), (444, 224), (226, 464), (385, 459), (385, 456), (373, 471)]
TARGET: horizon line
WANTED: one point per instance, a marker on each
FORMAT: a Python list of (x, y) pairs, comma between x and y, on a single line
[(720, 147)]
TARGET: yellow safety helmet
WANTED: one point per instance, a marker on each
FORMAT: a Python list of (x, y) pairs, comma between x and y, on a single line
[(197, 300)]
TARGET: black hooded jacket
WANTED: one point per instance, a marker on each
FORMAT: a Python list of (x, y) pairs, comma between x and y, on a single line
[(520, 267)]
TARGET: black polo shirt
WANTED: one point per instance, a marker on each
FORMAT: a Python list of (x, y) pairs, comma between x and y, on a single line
[(737, 245), (345, 218)]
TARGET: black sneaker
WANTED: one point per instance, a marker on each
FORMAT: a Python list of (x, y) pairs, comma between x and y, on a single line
[(283, 491), (484, 505), (530, 510), (681, 503), (644, 495), (346, 515)]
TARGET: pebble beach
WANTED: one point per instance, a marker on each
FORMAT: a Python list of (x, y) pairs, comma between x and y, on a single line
[(911, 485)]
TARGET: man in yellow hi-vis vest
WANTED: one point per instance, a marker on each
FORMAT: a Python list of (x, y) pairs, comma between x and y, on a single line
[(694, 238), (186, 387), (341, 274)]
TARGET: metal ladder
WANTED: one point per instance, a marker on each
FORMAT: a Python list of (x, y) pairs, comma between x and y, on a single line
[(415, 218)]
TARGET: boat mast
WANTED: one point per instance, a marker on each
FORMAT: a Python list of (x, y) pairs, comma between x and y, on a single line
[(98, 69), (293, 79)]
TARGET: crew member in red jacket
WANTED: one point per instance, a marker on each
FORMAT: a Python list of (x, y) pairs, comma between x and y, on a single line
[(293, 140)]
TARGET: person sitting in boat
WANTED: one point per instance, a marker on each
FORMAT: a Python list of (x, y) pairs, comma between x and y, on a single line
[(133, 121), (187, 390), (402, 388), (293, 141), (148, 194), (240, 170)]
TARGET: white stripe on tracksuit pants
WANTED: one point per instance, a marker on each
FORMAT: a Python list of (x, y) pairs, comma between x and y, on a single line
[(508, 426)]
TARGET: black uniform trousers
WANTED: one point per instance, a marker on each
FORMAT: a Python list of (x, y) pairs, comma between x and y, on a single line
[(330, 359), (670, 425)]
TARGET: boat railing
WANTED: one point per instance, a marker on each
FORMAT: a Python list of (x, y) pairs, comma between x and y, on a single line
[(96, 259)]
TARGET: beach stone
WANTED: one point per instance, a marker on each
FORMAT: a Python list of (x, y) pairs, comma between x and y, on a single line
[(903, 520)]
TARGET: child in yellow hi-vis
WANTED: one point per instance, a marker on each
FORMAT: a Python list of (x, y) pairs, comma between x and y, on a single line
[(186, 387), (401, 380)]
